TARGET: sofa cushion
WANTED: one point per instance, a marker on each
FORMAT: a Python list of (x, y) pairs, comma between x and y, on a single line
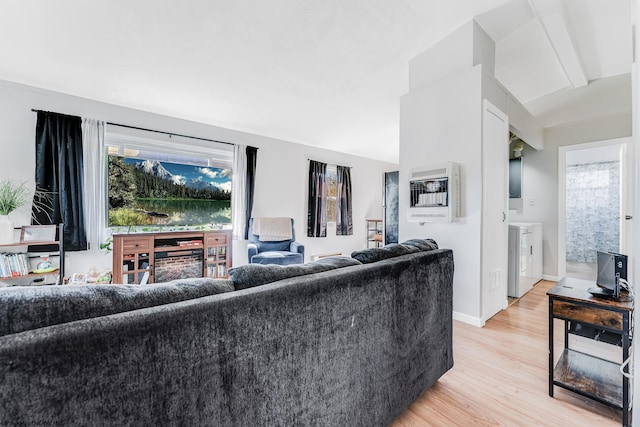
[(24, 308), (250, 275), (422, 244), (392, 250)]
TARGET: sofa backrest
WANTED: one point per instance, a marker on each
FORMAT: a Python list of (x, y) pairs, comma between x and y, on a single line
[(392, 250), (250, 275), (24, 308), (349, 346)]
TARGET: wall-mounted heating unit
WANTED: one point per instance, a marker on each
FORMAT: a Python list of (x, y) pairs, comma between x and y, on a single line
[(434, 193)]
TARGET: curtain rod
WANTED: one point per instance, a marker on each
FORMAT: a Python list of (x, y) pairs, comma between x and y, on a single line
[(170, 133), (328, 163), (156, 131)]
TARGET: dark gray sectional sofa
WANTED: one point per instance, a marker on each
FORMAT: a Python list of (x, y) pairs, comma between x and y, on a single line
[(347, 341)]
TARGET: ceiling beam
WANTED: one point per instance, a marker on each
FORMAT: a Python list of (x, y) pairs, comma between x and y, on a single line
[(552, 17)]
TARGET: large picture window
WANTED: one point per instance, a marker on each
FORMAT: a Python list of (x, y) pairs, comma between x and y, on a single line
[(156, 184)]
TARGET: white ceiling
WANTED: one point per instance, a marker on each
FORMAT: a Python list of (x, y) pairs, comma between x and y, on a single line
[(326, 73)]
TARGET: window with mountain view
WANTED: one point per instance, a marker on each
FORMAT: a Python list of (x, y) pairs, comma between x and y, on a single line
[(154, 189)]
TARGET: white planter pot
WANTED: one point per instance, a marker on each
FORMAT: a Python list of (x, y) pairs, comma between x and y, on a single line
[(6, 230)]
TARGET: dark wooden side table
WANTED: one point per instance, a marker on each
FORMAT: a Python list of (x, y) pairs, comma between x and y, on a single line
[(583, 373)]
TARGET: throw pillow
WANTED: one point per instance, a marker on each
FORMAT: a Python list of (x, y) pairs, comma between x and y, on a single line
[(392, 250), (422, 244)]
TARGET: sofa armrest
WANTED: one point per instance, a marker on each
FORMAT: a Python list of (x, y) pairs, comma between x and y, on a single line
[(297, 247), (252, 249)]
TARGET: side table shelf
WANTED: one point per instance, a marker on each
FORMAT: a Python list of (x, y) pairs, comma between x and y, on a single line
[(578, 371), (374, 233), (55, 249), (589, 376)]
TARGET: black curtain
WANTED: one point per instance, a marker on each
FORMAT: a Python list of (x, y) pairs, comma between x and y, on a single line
[(317, 204), (59, 171), (344, 216), (252, 156)]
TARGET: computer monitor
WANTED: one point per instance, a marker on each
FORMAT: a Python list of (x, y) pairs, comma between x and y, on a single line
[(611, 268)]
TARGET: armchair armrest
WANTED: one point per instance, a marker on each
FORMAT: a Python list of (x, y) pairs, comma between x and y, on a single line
[(252, 250), (297, 247)]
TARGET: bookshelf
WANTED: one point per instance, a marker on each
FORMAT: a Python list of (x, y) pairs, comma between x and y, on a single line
[(18, 260)]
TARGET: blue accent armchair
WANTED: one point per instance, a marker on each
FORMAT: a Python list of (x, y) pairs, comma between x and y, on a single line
[(283, 252)]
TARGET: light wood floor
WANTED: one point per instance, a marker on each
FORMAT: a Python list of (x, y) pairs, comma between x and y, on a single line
[(500, 376)]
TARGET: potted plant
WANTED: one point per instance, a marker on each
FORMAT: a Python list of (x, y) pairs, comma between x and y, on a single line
[(13, 195)]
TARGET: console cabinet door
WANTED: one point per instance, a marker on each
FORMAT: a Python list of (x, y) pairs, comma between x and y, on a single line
[(218, 258), (133, 260)]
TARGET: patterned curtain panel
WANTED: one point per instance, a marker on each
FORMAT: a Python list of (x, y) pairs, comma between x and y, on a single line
[(593, 210), (344, 216), (250, 185), (317, 204), (59, 172)]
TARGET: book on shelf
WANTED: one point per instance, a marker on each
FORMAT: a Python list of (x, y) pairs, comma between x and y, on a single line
[(13, 264)]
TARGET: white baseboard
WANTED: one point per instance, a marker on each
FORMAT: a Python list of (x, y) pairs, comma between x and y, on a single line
[(475, 321), (550, 278)]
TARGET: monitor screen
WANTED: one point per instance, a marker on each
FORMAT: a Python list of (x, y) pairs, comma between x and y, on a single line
[(611, 268), (606, 270)]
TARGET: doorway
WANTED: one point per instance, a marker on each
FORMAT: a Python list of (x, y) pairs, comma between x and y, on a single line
[(593, 196)]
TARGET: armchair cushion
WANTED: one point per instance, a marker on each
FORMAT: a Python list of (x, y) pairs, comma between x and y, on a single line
[(277, 257)]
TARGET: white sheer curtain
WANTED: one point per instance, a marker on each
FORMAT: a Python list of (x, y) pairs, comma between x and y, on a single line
[(95, 181), (238, 191)]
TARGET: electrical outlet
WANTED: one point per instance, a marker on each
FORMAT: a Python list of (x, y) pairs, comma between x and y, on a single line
[(495, 279), (532, 202)]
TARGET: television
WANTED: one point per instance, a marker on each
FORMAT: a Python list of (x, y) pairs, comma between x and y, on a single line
[(155, 194), (611, 268)]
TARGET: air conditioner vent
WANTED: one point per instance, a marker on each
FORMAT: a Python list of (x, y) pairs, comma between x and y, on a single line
[(429, 215), (424, 173), (434, 193)]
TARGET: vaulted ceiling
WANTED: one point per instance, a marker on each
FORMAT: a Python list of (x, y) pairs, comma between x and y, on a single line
[(325, 73)]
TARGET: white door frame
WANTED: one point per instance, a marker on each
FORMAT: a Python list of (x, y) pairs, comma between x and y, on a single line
[(626, 196)]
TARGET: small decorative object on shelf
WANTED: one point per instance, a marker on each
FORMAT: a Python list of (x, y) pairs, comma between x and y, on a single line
[(78, 279), (38, 233), (13, 195), (44, 266), (6, 230)]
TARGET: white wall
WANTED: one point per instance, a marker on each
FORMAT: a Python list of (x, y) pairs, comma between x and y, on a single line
[(438, 123), (465, 47), (540, 178), (281, 190), (280, 179)]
